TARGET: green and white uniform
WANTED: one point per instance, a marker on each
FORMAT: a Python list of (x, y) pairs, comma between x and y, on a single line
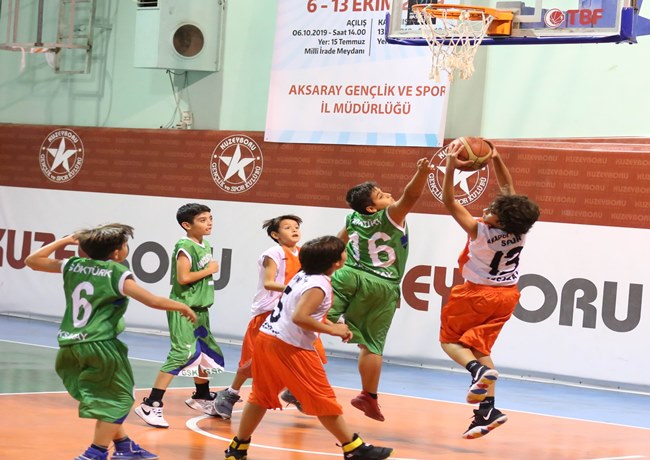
[(367, 288), (91, 361), (192, 344)]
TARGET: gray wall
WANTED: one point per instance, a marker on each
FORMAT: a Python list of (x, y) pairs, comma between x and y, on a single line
[(517, 91)]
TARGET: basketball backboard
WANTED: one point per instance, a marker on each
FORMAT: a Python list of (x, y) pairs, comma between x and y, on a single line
[(538, 21)]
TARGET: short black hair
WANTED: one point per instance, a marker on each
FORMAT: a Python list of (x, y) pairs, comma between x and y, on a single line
[(189, 211), (100, 242), (359, 197), (317, 255), (273, 225), (516, 213)]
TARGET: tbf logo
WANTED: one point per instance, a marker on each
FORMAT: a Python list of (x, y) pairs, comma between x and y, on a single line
[(236, 164), (583, 17), (61, 155)]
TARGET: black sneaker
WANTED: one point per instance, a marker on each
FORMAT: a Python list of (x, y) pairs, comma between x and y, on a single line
[(484, 379), (363, 451), (289, 398), (237, 450), (484, 422)]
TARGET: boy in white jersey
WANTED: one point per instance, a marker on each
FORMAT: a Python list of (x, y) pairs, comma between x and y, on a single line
[(477, 310), (285, 356), (194, 352), (92, 362), (367, 289), (276, 266)]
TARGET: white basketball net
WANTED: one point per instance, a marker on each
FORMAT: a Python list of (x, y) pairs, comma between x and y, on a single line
[(462, 35)]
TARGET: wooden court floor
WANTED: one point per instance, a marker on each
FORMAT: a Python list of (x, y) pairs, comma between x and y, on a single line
[(45, 426)]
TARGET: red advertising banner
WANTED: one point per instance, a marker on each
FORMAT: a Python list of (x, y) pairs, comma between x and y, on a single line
[(603, 182)]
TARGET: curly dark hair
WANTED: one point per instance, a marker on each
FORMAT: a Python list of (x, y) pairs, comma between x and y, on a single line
[(516, 213), (99, 242), (273, 225), (359, 197), (317, 255)]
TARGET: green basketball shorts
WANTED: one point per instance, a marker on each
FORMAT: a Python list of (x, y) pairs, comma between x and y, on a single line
[(368, 304), (99, 376)]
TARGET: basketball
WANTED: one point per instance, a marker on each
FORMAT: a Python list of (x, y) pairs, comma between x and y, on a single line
[(477, 150)]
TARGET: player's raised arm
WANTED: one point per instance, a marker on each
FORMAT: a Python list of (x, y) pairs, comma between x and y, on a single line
[(457, 210), (412, 192), (504, 179), (40, 260)]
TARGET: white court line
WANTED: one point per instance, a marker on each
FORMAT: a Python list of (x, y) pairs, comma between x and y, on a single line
[(617, 458), (192, 424), (403, 396)]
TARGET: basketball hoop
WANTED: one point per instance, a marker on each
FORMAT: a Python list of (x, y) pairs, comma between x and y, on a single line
[(454, 33)]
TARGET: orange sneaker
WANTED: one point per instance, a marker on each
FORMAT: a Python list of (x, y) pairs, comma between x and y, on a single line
[(368, 405)]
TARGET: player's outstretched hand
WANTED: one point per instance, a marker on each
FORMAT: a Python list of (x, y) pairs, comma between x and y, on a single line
[(342, 330), (213, 266), (425, 166), (188, 313), (452, 157)]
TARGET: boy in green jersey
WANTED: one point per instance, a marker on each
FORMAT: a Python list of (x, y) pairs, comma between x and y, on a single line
[(194, 351), (92, 362), (367, 288)]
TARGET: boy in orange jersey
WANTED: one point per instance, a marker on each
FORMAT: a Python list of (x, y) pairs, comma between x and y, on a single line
[(285, 356), (276, 266), (477, 310)]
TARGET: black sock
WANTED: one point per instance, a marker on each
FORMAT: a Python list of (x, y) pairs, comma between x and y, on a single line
[(155, 395), (99, 448), (202, 391), (372, 395), (473, 367), (486, 404)]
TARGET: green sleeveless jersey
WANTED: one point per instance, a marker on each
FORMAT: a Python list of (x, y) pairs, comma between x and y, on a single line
[(377, 245), (201, 293), (95, 300)]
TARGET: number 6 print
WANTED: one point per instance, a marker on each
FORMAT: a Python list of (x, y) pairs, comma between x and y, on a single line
[(81, 306)]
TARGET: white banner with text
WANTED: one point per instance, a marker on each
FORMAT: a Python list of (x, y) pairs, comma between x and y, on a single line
[(584, 310), (335, 80)]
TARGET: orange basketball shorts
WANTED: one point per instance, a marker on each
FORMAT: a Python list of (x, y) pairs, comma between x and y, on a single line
[(475, 314), (247, 345), (253, 329), (279, 365)]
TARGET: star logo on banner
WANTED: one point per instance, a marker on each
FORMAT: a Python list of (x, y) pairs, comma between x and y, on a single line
[(468, 185), (236, 164), (460, 177), (61, 155)]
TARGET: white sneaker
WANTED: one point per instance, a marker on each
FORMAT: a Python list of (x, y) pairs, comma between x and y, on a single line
[(152, 415), (203, 405)]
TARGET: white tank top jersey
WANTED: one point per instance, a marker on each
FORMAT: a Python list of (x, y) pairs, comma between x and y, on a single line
[(265, 300), (279, 323), (493, 257)]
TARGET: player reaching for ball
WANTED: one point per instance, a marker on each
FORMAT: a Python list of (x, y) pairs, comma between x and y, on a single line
[(475, 151), (367, 288), (477, 310)]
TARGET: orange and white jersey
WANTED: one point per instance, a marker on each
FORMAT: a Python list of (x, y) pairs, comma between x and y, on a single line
[(288, 265), (279, 323), (492, 258)]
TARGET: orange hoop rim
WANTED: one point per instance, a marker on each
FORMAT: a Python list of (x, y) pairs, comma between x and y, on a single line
[(453, 11)]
